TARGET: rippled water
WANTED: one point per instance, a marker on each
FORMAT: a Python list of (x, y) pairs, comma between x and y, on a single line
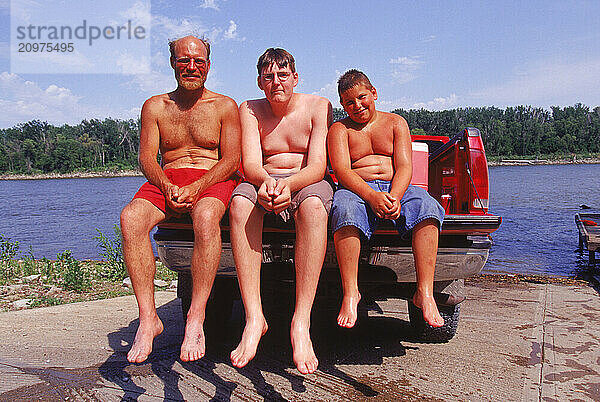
[(59, 214), (538, 206), (537, 203)]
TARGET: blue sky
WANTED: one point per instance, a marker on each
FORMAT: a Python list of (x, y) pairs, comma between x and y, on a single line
[(426, 54)]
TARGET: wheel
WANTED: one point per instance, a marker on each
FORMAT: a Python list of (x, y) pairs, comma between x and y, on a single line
[(425, 332)]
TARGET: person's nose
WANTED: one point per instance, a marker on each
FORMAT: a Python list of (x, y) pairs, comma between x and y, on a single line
[(192, 65)]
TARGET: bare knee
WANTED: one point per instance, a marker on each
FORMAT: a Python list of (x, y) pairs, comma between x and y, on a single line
[(206, 223), (133, 221), (428, 224), (239, 210), (312, 211)]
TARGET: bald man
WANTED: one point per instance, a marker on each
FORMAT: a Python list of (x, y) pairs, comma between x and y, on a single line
[(198, 134)]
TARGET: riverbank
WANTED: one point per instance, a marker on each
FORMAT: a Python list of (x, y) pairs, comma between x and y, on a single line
[(73, 175), (528, 162), (508, 161)]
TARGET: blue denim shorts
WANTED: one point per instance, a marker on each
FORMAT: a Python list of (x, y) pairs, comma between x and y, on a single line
[(415, 206)]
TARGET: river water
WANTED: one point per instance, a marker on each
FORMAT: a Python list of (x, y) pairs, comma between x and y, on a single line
[(537, 203)]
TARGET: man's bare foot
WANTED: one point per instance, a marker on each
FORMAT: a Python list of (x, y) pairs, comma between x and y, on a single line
[(142, 344), (429, 308), (193, 346), (246, 350), (303, 353), (349, 311)]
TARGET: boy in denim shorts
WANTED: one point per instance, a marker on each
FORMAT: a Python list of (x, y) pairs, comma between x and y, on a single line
[(371, 154)]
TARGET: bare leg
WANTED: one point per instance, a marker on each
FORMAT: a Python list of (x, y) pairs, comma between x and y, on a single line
[(206, 215), (246, 223), (425, 245), (311, 244), (137, 219), (347, 249)]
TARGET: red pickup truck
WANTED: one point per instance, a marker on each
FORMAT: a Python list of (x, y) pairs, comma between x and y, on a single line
[(454, 170)]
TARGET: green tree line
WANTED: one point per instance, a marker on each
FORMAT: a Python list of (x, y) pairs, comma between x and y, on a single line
[(39, 147), (517, 131)]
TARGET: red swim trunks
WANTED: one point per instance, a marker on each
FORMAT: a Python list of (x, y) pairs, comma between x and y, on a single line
[(182, 177)]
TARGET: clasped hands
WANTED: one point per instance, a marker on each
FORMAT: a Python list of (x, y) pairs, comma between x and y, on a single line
[(274, 195), (384, 205), (180, 199)]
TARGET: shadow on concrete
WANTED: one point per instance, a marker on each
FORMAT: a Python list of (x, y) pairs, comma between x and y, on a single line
[(373, 339)]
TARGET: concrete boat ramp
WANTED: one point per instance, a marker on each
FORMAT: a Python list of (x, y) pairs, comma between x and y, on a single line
[(517, 340)]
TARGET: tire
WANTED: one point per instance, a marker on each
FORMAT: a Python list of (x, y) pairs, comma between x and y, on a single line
[(424, 332)]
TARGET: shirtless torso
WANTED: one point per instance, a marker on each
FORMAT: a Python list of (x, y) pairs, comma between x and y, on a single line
[(377, 150), (194, 134), (290, 144), (284, 142)]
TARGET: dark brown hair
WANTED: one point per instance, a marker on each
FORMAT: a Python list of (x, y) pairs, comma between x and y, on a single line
[(276, 55), (352, 78)]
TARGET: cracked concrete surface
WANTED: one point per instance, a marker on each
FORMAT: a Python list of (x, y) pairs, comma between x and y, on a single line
[(515, 341)]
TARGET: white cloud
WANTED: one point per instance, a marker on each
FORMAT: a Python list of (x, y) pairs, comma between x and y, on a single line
[(169, 28), (133, 64), (138, 13), (404, 68), (24, 100), (430, 38), (410, 62), (545, 84), (231, 32), (213, 4), (153, 83), (439, 103), (329, 91)]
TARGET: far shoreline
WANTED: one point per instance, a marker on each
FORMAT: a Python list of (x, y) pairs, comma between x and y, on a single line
[(530, 162), (138, 173), (73, 175)]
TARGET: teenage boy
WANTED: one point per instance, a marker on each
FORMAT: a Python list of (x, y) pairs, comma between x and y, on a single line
[(371, 154), (284, 159)]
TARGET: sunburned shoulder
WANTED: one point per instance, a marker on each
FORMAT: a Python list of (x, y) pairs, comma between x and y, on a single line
[(312, 99), (156, 103), (396, 118), (221, 100)]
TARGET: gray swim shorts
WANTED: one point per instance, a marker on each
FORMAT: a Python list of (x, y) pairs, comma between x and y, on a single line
[(321, 189)]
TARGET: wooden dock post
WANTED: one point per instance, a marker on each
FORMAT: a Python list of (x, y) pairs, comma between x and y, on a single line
[(588, 226)]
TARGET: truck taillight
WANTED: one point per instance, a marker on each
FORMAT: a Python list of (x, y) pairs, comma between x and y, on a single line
[(479, 195)]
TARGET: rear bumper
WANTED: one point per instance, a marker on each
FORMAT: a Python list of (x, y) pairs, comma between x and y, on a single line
[(379, 264)]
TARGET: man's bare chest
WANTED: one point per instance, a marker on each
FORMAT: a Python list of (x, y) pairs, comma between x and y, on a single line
[(182, 129)]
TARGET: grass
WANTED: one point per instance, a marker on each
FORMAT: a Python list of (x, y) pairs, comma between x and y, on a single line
[(48, 282)]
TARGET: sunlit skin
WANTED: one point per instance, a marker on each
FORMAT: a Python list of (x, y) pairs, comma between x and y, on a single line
[(284, 133), (373, 145), (192, 127)]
